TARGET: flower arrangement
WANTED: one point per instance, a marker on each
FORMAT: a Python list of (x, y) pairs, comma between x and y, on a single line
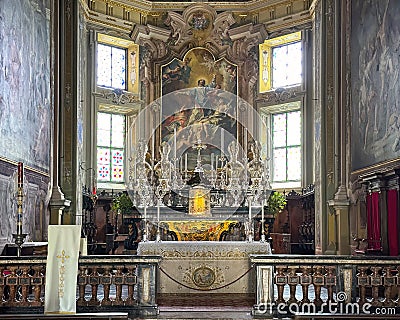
[(276, 202)]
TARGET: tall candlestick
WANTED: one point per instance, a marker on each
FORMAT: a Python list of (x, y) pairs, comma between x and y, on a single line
[(20, 174)]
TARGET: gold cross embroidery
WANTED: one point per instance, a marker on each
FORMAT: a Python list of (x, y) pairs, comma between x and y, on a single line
[(62, 256)]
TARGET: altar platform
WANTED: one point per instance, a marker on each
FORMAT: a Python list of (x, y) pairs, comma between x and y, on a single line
[(205, 267)]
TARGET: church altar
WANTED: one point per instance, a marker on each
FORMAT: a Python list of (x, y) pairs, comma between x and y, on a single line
[(205, 267)]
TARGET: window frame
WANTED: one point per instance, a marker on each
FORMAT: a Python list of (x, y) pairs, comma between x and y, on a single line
[(110, 183), (266, 60), (267, 113)]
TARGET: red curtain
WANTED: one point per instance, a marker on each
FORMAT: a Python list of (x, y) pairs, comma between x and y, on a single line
[(393, 211), (373, 221)]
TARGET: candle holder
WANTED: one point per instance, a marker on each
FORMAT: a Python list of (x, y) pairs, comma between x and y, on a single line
[(19, 241), (19, 236)]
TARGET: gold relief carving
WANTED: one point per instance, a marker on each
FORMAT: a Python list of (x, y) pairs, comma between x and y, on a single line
[(199, 230), (204, 276)]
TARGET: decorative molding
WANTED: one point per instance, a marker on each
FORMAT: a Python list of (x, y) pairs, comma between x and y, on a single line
[(279, 95), (117, 96)]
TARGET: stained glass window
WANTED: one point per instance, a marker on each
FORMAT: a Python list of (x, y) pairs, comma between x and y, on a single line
[(111, 66), (286, 147), (286, 65), (110, 147)]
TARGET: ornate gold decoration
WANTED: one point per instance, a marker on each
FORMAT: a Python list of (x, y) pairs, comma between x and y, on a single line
[(203, 276), (199, 230), (61, 272), (199, 202)]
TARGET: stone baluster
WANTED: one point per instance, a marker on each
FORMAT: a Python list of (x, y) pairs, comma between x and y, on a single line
[(118, 281), (398, 286), (105, 280), (363, 282), (280, 281), (318, 282), (330, 281), (389, 281), (24, 281), (94, 282), (130, 279), (293, 280), (82, 281), (2, 282), (305, 281), (376, 282), (37, 281), (12, 281)]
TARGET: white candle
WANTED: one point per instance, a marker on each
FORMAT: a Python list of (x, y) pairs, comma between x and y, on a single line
[(175, 142), (249, 210), (222, 141), (216, 162), (145, 223), (212, 161), (186, 162), (262, 213), (158, 212), (153, 146)]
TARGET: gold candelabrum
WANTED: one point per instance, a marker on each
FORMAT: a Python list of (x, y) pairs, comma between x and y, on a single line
[(19, 237)]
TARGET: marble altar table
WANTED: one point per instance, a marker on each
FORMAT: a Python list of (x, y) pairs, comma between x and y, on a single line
[(208, 267)]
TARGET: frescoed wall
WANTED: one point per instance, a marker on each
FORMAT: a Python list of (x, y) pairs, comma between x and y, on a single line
[(25, 102), (375, 61)]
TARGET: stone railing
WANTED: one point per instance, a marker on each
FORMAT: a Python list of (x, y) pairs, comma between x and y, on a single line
[(105, 284), (332, 285)]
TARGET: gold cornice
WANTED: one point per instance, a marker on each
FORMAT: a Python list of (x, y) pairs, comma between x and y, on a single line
[(147, 7), (28, 168), (90, 17), (381, 166)]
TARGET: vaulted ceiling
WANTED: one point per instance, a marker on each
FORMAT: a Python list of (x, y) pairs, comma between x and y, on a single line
[(123, 15)]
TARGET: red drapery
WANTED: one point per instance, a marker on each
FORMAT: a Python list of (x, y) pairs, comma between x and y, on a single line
[(373, 221), (393, 211)]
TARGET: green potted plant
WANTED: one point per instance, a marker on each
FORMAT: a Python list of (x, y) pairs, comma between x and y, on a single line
[(276, 202), (122, 204)]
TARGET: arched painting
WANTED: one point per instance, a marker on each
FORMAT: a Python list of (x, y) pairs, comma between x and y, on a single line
[(199, 98)]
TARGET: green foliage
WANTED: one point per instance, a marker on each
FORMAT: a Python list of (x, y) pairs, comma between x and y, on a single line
[(276, 202), (122, 204)]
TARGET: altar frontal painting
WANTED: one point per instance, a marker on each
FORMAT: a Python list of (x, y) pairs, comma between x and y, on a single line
[(208, 101)]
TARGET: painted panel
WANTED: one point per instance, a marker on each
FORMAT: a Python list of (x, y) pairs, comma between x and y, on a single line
[(25, 102), (375, 81)]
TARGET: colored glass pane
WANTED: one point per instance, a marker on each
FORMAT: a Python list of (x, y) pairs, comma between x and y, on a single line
[(111, 66), (110, 147), (118, 131), (293, 128), (279, 166), (104, 65), (118, 68), (117, 173), (294, 163), (279, 130), (103, 156), (287, 65)]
